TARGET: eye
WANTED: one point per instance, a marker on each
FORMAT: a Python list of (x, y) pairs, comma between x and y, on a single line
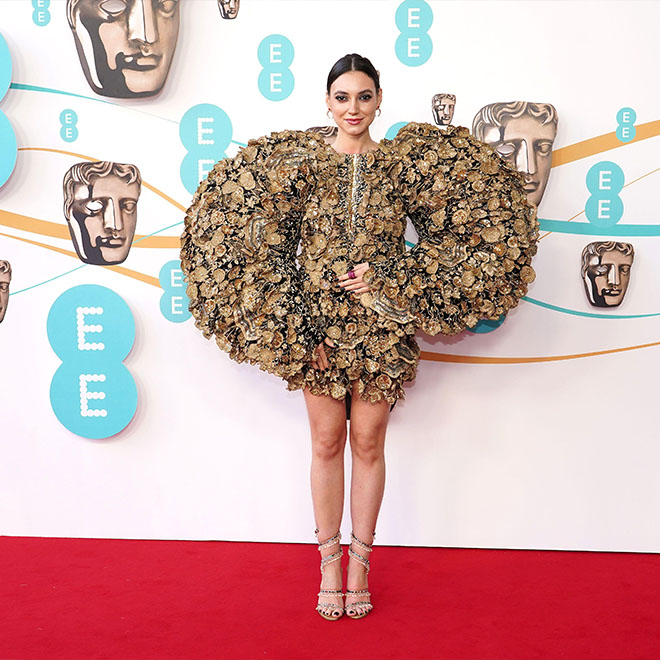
[(366, 97), (94, 206), (128, 205), (601, 270), (168, 6), (4, 286), (340, 97), (506, 149), (113, 7), (625, 269), (544, 147)]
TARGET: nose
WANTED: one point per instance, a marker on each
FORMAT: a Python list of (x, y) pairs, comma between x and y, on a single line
[(613, 276), (142, 22), (354, 108), (111, 218), (526, 158)]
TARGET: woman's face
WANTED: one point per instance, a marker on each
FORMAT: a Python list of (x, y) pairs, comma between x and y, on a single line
[(353, 102)]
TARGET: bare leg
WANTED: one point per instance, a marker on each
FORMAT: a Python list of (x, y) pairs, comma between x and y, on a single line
[(327, 421), (367, 437)]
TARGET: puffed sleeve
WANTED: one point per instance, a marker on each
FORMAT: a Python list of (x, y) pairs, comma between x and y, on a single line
[(238, 254), (477, 235)]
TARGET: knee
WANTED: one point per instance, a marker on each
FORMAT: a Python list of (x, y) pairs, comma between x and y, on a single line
[(367, 446), (327, 443)]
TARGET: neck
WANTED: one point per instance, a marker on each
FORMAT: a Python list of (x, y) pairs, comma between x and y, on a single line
[(353, 144)]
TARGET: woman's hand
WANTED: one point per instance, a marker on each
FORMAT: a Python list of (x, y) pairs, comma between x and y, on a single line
[(321, 361), (355, 285)]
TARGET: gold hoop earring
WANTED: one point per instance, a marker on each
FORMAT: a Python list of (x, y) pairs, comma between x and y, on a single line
[(379, 111), (329, 114)]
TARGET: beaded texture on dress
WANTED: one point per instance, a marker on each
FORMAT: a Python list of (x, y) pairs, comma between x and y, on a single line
[(477, 236)]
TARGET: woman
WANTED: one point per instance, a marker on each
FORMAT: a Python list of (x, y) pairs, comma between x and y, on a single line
[(341, 326)]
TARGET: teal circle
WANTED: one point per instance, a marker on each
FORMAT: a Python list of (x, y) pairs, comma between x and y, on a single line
[(485, 325), (119, 402), (69, 133), (117, 326), (413, 16), (5, 67), (92, 343), (604, 212), (413, 49), (41, 17), (9, 150), (194, 125), (174, 301), (632, 116), (625, 132), (394, 129), (275, 52), (609, 184), (68, 117), (276, 85), (195, 168)]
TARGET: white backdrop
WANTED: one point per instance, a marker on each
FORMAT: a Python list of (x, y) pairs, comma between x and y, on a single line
[(558, 455)]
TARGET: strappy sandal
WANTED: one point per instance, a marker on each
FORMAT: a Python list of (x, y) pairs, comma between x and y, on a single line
[(330, 611), (359, 608)]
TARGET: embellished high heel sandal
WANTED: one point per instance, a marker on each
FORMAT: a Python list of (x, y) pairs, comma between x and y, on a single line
[(330, 611), (359, 608)]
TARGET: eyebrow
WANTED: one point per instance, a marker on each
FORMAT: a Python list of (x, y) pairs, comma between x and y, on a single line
[(362, 91)]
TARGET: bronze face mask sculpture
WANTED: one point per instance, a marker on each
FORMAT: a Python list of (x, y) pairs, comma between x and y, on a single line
[(523, 133), (5, 279), (125, 46), (443, 108), (606, 272), (229, 8), (100, 205)]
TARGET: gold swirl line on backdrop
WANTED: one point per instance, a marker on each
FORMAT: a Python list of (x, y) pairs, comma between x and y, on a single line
[(136, 275), (561, 156), (57, 230), (424, 355), (601, 143), (474, 359)]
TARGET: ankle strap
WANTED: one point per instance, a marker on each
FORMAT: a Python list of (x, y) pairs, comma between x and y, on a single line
[(330, 558), (361, 544), (331, 541)]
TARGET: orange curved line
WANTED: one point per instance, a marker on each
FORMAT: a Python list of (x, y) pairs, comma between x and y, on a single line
[(136, 275), (474, 359), (160, 193), (57, 230), (600, 143)]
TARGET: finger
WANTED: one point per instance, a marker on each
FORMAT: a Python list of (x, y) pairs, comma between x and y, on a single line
[(324, 358), (356, 284)]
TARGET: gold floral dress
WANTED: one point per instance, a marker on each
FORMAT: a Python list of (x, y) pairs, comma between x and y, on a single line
[(270, 305)]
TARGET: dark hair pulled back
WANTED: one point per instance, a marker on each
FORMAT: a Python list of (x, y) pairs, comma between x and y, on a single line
[(353, 62)]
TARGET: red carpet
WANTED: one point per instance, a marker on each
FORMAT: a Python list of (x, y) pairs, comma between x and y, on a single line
[(141, 600)]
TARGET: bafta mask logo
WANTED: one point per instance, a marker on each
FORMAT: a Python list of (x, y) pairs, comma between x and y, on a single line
[(328, 133), (100, 206), (523, 133), (229, 8), (5, 279), (443, 108), (125, 46), (606, 272)]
